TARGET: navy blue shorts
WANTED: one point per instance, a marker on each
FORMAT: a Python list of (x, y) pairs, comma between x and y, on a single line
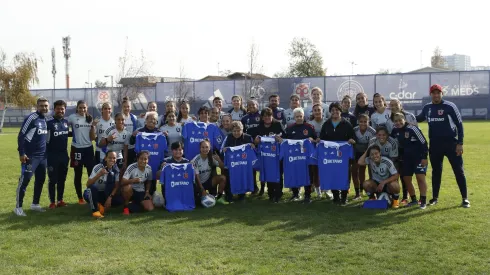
[(138, 197), (385, 188), (412, 166), (208, 185), (82, 157)]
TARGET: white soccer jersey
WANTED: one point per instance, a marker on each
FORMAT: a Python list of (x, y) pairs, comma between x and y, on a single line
[(186, 120), (134, 172), (81, 131), (128, 123), (380, 119), (317, 125), (381, 171), (174, 133), (289, 115), (121, 139), (389, 149), (201, 166), (101, 182), (102, 126), (237, 116), (363, 138)]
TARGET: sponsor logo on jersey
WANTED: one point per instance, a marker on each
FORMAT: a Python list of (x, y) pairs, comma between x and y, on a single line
[(291, 159), (178, 183), (235, 163), (42, 132), (332, 161), (60, 133), (436, 119)]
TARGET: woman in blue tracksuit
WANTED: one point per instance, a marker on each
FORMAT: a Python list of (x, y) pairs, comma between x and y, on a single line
[(414, 157), (446, 139)]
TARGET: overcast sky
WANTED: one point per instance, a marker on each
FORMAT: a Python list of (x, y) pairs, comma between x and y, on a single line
[(200, 34)]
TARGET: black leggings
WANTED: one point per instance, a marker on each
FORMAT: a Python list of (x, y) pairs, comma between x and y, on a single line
[(78, 178)]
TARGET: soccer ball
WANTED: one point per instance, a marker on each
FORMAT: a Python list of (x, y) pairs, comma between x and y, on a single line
[(158, 200), (208, 201)]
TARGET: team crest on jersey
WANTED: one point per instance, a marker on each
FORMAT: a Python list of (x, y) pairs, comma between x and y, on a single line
[(257, 119), (440, 112), (178, 130), (407, 134), (56, 126), (186, 175), (124, 136), (40, 125), (305, 132), (339, 153), (66, 125), (244, 155), (205, 133), (155, 146), (279, 114), (273, 148)]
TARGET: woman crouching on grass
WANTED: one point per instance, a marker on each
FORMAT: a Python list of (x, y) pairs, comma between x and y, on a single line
[(102, 186), (136, 184)]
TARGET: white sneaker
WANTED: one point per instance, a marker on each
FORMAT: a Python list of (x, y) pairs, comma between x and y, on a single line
[(37, 207), (19, 212), (329, 194)]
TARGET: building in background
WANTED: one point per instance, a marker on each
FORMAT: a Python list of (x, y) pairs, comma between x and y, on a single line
[(480, 68), (235, 76), (457, 62), (148, 81)]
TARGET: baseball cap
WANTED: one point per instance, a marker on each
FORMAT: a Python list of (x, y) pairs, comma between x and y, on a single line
[(435, 87)]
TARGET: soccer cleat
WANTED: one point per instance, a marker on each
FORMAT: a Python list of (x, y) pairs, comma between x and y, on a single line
[(295, 198), (412, 203), (19, 212), (52, 205), (329, 194), (37, 207), (395, 204), (404, 202), (466, 203), (276, 200), (423, 206), (126, 211), (307, 200), (61, 204), (222, 201), (343, 203), (357, 198), (97, 215), (433, 202), (101, 209), (81, 201)]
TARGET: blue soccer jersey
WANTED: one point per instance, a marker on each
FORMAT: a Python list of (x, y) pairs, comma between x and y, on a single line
[(333, 164), (179, 186), (296, 156), (239, 160), (156, 144), (269, 159), (195, 132)]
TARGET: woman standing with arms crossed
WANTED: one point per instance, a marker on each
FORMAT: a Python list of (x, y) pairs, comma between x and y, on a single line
[(82, 150)]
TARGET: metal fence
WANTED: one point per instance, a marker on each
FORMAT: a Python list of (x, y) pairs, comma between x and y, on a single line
[(468, 89)]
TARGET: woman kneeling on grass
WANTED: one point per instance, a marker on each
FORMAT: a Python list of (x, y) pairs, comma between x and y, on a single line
[(206, 177), (136, 184), (384, 176), (102, 186)]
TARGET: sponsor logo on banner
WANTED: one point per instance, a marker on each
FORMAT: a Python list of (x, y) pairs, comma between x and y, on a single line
[(302, 90), (350, 88), (467, 89), (403, 94), (103, 96), (257, 92)]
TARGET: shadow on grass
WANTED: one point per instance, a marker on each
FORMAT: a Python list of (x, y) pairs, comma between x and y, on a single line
[(320, 217)]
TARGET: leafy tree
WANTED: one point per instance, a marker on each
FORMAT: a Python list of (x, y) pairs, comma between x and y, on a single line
[(16, 77), (304, 59), (437, 60)]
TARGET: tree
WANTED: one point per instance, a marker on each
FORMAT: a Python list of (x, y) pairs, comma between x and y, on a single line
[(253, 83), (15, 79), (129, 67), (388, 71), (437, 60), (304, 59), (184, 90), (225, 73), (100, 84)]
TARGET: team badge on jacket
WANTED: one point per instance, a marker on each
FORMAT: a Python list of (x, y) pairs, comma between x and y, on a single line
[(305, 132), (440, 112)]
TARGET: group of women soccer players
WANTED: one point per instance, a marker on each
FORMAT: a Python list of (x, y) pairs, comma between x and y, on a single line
[(384, 136)]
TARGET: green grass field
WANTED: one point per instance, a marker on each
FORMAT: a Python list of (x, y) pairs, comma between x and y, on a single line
[(255, 237)]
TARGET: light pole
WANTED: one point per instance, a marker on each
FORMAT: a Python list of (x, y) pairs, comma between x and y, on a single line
[(352, 66), (112, 87), (67, 55), (53, 71)]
